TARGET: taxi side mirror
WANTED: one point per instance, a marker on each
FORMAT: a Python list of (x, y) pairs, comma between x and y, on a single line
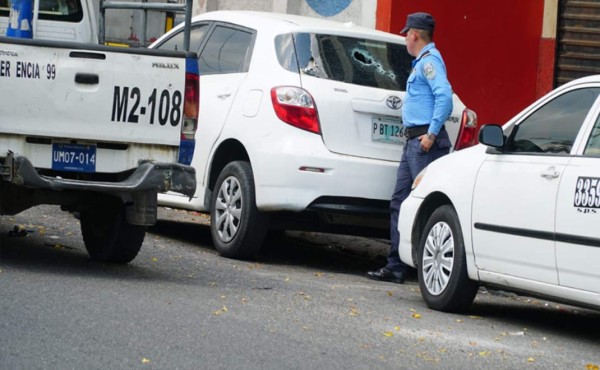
[(492, 135)]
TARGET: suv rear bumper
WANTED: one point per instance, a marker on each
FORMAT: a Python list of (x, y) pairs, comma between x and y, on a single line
[(293, 175)]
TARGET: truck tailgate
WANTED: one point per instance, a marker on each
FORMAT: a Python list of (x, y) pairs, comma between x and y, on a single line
[(111, 98), (95, 94)]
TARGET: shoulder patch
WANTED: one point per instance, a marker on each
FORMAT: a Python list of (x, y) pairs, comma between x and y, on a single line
[(429, 71)]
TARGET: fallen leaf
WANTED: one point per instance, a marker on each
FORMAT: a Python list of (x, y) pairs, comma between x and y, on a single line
[(389, 293), (416, 315), (318, 274), (531, 359), (459, 321), (475, 317), (225, 309), (388, 333), (287, 279), (484, 353), (592, 367), (354, 312), (397, 328), (154, 259), (145, 361)]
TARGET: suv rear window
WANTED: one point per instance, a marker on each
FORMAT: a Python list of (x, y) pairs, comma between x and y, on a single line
[(346, 59), (54, 10)]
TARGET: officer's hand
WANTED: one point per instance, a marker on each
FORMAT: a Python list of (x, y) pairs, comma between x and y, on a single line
[(426, 142)]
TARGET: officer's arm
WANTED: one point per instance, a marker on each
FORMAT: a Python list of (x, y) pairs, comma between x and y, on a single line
[(442, 93)]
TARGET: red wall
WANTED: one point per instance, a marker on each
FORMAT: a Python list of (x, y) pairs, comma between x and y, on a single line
[(491, 49)]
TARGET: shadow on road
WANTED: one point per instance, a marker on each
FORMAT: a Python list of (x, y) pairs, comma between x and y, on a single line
[(37, 253), (329, 253), (578, 323)]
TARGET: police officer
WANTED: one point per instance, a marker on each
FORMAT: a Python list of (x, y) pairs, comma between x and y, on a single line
[(427, 105)]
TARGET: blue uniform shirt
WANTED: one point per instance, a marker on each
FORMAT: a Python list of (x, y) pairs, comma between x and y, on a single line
[(428, 98)]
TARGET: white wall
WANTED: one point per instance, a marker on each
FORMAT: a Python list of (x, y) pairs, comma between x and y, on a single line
[(121, 24), (361, 12)]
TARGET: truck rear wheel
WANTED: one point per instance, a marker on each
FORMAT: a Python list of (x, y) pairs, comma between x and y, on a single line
[(108, 237), (237, 227)]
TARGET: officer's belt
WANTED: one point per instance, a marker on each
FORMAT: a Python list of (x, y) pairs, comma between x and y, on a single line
[(415, 131)]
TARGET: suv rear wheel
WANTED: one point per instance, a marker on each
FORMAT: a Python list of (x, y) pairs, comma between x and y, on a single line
[(238, 228)]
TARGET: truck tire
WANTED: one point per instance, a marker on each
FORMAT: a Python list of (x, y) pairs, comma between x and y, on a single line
[(442, 264), (237, 227), (108, 237)]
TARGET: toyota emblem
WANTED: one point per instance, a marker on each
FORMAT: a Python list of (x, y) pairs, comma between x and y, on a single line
[(393, 102)]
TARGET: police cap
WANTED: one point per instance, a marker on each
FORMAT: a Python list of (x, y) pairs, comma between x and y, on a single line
[(421, 21)]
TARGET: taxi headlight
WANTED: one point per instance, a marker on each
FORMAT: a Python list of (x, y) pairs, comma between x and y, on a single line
[(418, 179)]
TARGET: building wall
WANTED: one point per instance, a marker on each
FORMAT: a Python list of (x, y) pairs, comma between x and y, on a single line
[(499, 53), (492, 49), (361, 12)]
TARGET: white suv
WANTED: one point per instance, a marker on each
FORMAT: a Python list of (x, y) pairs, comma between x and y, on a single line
[(299, 125)]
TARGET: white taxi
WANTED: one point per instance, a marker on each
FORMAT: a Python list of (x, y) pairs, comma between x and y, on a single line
[(521, 211)]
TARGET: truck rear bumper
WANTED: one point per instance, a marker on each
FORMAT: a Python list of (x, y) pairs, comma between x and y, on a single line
[(148, 176)]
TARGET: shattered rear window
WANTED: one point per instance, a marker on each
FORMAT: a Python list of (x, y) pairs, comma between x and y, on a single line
[(347, 59)]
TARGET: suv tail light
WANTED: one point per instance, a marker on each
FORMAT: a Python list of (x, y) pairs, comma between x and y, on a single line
[(295, 106), (191, 102), (467, 134)]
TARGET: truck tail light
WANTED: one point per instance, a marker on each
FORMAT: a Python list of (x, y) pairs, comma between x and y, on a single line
[(191, 109), (191, 105), (467, 134), (296, 107)]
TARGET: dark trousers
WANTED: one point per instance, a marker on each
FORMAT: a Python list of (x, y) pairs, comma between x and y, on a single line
[(414, 159)]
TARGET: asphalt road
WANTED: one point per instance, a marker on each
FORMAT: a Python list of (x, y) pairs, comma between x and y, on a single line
[(305, 304)]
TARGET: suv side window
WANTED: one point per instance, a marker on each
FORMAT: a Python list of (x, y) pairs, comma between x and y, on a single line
[(176, 42), (226, 51), (553, 127), (593, 145)]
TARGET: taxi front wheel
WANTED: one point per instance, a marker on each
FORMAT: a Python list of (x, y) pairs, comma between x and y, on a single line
[(238, 228), (442, 266)]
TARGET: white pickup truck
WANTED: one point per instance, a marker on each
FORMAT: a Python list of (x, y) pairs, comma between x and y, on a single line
[(99, 131)]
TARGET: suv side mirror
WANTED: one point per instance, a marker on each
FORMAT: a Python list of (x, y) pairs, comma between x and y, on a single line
[(492, 135)]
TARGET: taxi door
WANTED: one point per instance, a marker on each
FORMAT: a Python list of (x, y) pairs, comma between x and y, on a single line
[(515, 194), (578, 217)]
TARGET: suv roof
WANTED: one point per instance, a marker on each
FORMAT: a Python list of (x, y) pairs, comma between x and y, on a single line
[(279, 22)]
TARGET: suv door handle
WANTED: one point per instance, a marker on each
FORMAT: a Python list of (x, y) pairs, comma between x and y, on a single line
[(550, 173)]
